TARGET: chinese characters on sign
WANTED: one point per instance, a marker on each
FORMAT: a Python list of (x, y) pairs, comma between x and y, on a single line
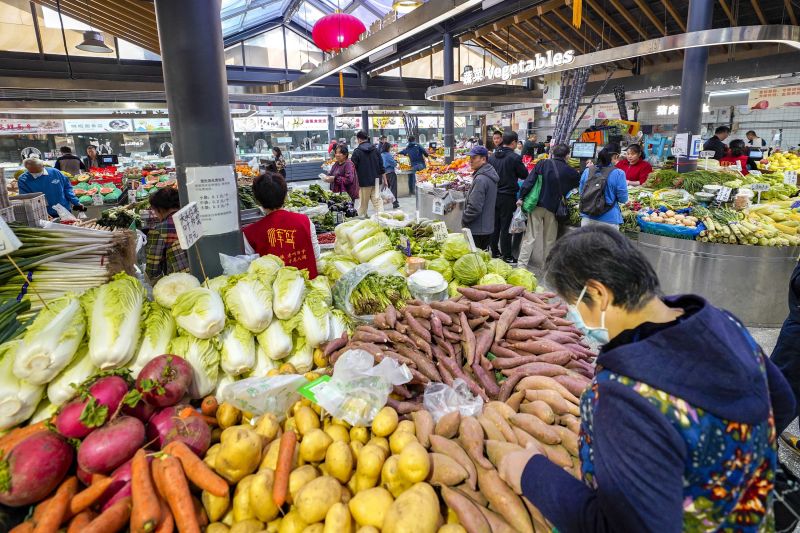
[(549, 60), (774, 97), (188, 225), (8, 241), (214, 190), (120, 125), (10, 126), (666, 110)]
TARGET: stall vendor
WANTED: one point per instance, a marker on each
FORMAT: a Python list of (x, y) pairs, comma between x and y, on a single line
[(290, 236), (635, 168), (56, 187), (715, 143), (679, 424), (163, 251)]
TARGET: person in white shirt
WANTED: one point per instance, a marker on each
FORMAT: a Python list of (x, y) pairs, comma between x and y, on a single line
[(754, 140)]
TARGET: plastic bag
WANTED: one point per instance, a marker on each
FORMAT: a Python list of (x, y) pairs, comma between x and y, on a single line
[(387, 196), (236, 264), (518, 222), (441, 399), (63, 213), (264, 394), (358, 390), (310, 212), (345, 286)]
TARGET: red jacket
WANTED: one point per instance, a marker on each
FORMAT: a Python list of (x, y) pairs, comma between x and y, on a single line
[(287, 235), (731, 160), (637, 172)]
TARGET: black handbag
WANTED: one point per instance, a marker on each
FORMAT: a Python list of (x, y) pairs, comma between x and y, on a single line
[(562, 213)]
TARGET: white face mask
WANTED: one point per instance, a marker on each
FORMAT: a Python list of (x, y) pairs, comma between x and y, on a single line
[(37, 174), (598, 334)]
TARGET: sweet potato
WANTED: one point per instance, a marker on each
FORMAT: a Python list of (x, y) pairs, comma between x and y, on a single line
[(569, 440), (470, 434), (553, 358), (524, 438), (572, 422), (391, 316), (575, 385), (423, 427), (468, 339), (494, 288), (468, 513), (547, 383), (436, 327), (538, 368), (445, 471), (521, 335), (533, 425), (419, 311), (554, 400), (515, 400), (503, 499), (538, 347), (508, 385), (496, 522), (476, 295), (456, 371), (500, 423), (448, 425), (496, 449), (443, 317), (450, 306), (453, 450), (475, 323), (485, 378), (539, 409), (539, 521), (491, 431), (510, 293), (502, 351), (557, 454), (404, 408), (484, 339), (478, 310), (527, 322)]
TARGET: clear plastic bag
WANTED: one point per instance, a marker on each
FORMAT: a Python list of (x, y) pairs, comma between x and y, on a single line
[(358, 390), (518, 222), (387, 196), (441, 399), (345, 286), (263, 395), (236, 264)]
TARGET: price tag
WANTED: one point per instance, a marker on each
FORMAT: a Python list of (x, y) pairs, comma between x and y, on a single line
[(790, 177), (438, 207), (131, 196), (97, 199), (755, 173), (439, 231), (8, 240), (759, 187), (724, 194), (447, 151), (677, 150), (707, 154), (188, 225), (468, 234), (307, 390)]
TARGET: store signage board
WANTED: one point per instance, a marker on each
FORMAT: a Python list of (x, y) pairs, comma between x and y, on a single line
[(674, 110), (93, 125), (305, 123), (11, 126), (440, 232), (550, 59), (151, 125), (348, 123), (774, 98), (790, 177), (8, 240), (188, 225), (214, 191), (257, 124)]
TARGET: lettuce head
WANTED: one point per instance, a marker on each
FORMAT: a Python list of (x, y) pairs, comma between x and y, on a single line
[(443, 267), (492, 279), (455, 246), (523, 278), (498, 266), (469, 268)]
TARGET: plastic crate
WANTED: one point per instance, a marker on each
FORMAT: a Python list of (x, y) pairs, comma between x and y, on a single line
[(7, 214), (29, 209), (4, 201)]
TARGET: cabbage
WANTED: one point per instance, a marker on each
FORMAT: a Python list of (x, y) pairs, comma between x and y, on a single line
[(217, 284), (498, 266), (238, 350), (224, 381), (276, 340), (314, 324), (343, 247), (485, 255), (343, 230), (388, 262), (200, 312), (44, 411), (51, 341), (336, 265), (338, 324), (266, 267), (159, 329), (264, 363), (18, 398), (319, 287), (443, 267), (204, 358), (455, 246), (523, 278), (452, 289), (360, 231), (168, 288), (469, 269), (289, 289), (492, 279), (249, 301), (303, 358), (115, 312), (60, 390), (371, 247)]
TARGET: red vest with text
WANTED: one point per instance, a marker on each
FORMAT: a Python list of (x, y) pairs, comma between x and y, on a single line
[(287, 235)]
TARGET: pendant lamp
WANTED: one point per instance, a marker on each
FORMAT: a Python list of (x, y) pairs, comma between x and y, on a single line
[(406, 6), (93, 42)]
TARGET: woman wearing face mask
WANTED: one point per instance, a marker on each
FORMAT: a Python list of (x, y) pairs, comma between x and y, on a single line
[(678, 427)]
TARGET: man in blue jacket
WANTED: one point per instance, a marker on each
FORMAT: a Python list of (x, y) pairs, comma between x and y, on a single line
[(56, 187), (417, 155)]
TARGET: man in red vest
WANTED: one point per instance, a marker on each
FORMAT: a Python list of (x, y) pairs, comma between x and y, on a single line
[(290, 236)]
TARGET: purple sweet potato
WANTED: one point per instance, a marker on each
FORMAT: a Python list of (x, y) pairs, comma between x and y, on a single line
[(34, 468)]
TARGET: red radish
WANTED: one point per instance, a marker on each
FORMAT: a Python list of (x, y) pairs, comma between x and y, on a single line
[(68, 421), (111, 445), (121, 477), (164, 380), (167, 426), (124, 492), (79, 417), (83, 476), (34, 468), (143, 411)]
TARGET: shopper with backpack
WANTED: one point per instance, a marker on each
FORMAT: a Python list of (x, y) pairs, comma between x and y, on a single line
[(602, 188)]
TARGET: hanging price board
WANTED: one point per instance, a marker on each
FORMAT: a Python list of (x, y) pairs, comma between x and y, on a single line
[(8, 240), (131, 196), (755, 173), (188, 225), (707, 154), (790, 177), (439, 231), (759, 188)]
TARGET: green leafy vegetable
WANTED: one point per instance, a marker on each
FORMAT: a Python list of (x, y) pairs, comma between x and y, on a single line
[(469, 268), (443, 267), (523, 278), (455, 246)]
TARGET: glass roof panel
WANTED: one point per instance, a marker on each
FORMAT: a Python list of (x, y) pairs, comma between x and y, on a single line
[(309, 14), (239, 15)]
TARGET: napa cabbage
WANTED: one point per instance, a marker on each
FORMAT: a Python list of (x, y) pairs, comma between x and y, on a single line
[(289, 290), (217, 284), (338, 324), (168, 288), (388, 262), (264, 363), (335, 266), (61, 389), (249, 301), (372, 246), (314, 322), (266, 267), (277, 339), (202, 354), (237, 350), (303, 357), (200, 312), (320, 287), (159, 329), (18, 398)]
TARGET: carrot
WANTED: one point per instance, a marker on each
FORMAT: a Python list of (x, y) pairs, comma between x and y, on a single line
[(186, 412), (167, 524), (57, 507), (196, 470), (284, 467), (24, 527), (80, 521), (112, 519), (175, 490), (15, 436), (88, 496), (146, 512), (209, 406), (40, 510)]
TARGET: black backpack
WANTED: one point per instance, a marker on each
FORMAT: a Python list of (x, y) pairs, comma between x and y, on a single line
[(593, 196)]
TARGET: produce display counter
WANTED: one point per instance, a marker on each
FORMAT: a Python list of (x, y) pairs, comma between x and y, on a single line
[(441, 204), (749, 281)]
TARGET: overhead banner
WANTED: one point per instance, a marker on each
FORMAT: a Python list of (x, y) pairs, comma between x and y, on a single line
[(151, 125), (257, 124), (305, 123), (99, 125), (429, 122), (13, 126), (388, 123), (348, 123), (774, 98)]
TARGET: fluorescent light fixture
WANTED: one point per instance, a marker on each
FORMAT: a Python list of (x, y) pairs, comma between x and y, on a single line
[(406, 6), (489, 4), (732, 91)]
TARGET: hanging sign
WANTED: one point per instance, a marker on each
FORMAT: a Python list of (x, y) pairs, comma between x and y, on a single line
[(99, 125), (549, 60), (12, 126), (151, 125), (305, 123), (188, 225), (257, 124), (214, 191), (348, 123), (387, 123), (774, 97)]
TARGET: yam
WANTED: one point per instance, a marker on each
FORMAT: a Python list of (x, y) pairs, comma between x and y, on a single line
[(536, 427), (500, 423), (515, 400), (448, 425), (474, 495), (569, 440), (557, 454), (453, 450), (445, 471), (525, 439)]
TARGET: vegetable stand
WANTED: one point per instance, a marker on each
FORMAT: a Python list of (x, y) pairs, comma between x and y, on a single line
[(441, 204)]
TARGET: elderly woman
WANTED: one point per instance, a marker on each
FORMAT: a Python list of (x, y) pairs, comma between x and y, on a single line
[(678, 426)]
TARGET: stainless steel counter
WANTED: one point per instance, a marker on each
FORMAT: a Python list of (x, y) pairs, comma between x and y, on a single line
[(752, 282), (439, 204)]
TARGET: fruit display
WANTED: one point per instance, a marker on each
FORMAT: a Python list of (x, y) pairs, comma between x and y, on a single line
[(780, 162)]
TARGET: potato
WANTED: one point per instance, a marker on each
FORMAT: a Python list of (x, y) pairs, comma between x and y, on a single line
[(338, 519), (339, 422), (246, 418), (414, 465), (423, 426), (216, 433), (355, 447), (298, 479), (268, 427), (274, 526), (239, 453), (414, 511), (447, 426), (346, 495), (368, 529), (228, 415), (383, 442), (241, 501), (399, 440), (247, 526), (445, 471), (370, 460), (452, 528), (270, 459), (306, 419), (316, 497), (215, 506), (360, 434), (391, 479), (339, 461), (369, 507), (406, 425), (320, 361), (338, 433), (314, 528), (385, 422), (228, 518), (292, 523), (261, 496), (217, 527), (314, 445), (211, 456)]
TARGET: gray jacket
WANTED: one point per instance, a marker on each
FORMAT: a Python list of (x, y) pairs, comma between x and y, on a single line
[(479, 208)]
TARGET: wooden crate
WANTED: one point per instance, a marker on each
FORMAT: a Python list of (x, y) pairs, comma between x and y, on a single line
[(29, 209)]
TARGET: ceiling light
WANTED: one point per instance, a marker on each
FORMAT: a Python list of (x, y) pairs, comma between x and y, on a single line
[(406, 6), (93, 42), (308, 66)]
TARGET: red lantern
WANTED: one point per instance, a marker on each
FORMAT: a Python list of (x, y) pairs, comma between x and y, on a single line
[(337, 31)]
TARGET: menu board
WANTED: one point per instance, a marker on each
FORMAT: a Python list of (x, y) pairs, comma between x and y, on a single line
[(13, 126), (97, 125)]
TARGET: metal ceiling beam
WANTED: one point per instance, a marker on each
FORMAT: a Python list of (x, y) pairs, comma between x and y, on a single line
[(573, 44), (675, 15), (622, 10), (726, 8), (760, 14), (659, 25), (241, 10), (592, 26), (609, 20), (787, 4), (516, 18)]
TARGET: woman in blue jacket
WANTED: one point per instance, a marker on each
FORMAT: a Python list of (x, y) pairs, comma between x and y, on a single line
[(616, 191), (678, 426)]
